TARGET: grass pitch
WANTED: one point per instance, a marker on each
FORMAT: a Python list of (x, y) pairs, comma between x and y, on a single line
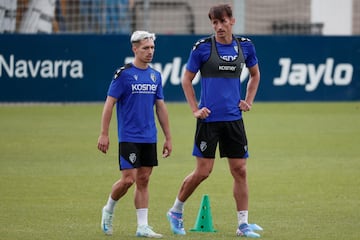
[(304, 174)]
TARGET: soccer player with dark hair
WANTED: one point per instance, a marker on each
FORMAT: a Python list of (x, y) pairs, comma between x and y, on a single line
[(220, 59)]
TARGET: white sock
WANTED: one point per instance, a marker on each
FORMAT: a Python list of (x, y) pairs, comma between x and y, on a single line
[(110, 205), (142, 216), (242, 217), (178, 206)]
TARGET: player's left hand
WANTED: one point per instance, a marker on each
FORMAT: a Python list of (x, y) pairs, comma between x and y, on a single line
[(167, 148), (165, 153), (244, 106)]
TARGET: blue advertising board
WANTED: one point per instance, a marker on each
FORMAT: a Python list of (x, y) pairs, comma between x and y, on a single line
[(73, 68)]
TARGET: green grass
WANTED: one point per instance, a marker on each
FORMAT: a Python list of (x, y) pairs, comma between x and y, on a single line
[(304, 174)]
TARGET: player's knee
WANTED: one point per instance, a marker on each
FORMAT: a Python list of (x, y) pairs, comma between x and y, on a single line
[(142, 180), (128, 181), (202, 175), (239, 171)]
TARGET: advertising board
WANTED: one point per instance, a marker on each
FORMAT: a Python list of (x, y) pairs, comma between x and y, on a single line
[(72, 68)]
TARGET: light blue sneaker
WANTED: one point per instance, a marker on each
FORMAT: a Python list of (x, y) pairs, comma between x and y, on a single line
[(146, 231), (244, 230), (176, 222), (106, 222), (255, 227)]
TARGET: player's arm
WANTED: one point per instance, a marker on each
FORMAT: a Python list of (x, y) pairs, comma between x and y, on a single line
[(103, 140), (163, 117), (251, 88), (191, 97)]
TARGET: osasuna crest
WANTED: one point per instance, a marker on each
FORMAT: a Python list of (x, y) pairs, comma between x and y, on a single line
[(153, 78), (136, 77), (236, 48), (132, 157), (203, 146)]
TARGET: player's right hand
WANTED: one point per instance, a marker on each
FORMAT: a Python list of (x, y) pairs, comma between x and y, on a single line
[(103, 143), (202, 113)]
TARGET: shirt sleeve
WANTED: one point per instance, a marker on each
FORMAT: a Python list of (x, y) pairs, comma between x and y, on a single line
[(198, 55), (249, 52), (159, 91), (116, 88)]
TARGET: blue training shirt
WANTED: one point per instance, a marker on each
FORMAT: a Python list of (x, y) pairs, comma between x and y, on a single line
[(221, 95), (136, 91)]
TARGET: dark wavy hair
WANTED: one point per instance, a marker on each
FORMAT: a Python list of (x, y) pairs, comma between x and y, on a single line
[(219, 11)]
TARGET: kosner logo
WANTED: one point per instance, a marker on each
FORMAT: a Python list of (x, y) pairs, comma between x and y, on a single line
[(22, 68), (310, 76), (144, 88)]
